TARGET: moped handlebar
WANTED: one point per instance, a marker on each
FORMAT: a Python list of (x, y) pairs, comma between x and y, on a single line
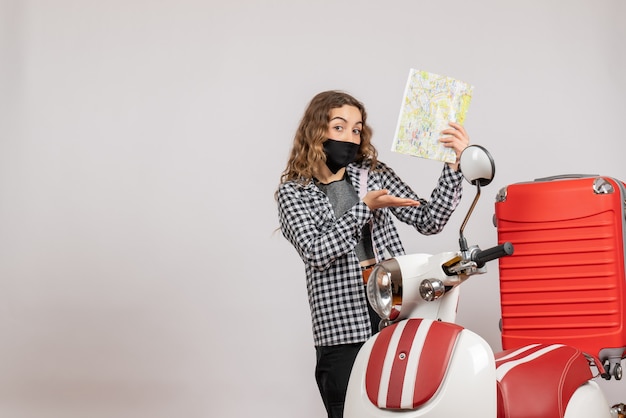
[(482, 257)]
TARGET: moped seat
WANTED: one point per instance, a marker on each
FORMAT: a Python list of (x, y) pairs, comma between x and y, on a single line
[(538, 380)]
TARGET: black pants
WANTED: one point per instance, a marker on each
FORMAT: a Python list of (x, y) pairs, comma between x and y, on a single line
[(334, 364)]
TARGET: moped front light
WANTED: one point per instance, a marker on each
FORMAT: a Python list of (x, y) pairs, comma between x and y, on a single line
[(384, 289), (432, 289)]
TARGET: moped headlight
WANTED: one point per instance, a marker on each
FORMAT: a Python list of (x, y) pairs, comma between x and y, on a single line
[(384, 289)]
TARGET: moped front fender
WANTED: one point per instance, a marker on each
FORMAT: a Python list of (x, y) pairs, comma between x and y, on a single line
[(422, 368)]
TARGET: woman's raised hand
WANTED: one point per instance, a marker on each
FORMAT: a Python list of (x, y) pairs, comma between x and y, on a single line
[(457, 139)]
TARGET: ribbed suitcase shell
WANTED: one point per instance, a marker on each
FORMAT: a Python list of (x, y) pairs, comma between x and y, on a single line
[(565, 282)]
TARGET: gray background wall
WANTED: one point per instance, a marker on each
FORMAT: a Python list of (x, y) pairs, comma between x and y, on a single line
[(141, 143)]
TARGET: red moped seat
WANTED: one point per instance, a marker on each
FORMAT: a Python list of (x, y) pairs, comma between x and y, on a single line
[(538, 380)]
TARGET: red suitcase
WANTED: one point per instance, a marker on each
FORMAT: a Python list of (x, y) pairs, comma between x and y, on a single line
[(565, 282)]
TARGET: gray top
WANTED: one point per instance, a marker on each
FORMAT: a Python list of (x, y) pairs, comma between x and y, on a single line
[(343, 196)]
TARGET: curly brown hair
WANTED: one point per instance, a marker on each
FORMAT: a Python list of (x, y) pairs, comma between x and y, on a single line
[(307, 151)]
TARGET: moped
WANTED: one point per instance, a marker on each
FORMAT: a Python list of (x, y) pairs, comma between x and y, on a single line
[(422, 364)]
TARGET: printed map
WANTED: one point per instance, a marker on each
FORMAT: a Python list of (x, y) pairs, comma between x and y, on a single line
[(430, 101)]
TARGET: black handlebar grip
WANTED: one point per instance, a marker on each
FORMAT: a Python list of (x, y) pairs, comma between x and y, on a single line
[(481, 257)]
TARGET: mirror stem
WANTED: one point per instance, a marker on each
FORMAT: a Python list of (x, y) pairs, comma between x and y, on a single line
[(462, 241)]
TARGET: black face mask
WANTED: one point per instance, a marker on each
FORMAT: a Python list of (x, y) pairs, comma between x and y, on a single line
[(339, 154)]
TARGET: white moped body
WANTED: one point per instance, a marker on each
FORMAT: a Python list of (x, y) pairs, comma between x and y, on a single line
[(424, 365)]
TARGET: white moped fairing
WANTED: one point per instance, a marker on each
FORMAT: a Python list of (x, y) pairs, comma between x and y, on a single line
[(421, 364)]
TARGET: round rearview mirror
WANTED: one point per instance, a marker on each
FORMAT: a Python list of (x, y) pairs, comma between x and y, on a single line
[(477, 165)]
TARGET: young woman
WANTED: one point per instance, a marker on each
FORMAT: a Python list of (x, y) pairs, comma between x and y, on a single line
[(335, 205)]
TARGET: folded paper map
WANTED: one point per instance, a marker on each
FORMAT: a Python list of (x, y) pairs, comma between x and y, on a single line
[(430, 101)]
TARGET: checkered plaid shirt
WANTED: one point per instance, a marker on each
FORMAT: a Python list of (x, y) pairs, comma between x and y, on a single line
[(326, 243)]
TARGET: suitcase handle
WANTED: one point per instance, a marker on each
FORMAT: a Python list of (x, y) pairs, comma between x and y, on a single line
[(566, 176)]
